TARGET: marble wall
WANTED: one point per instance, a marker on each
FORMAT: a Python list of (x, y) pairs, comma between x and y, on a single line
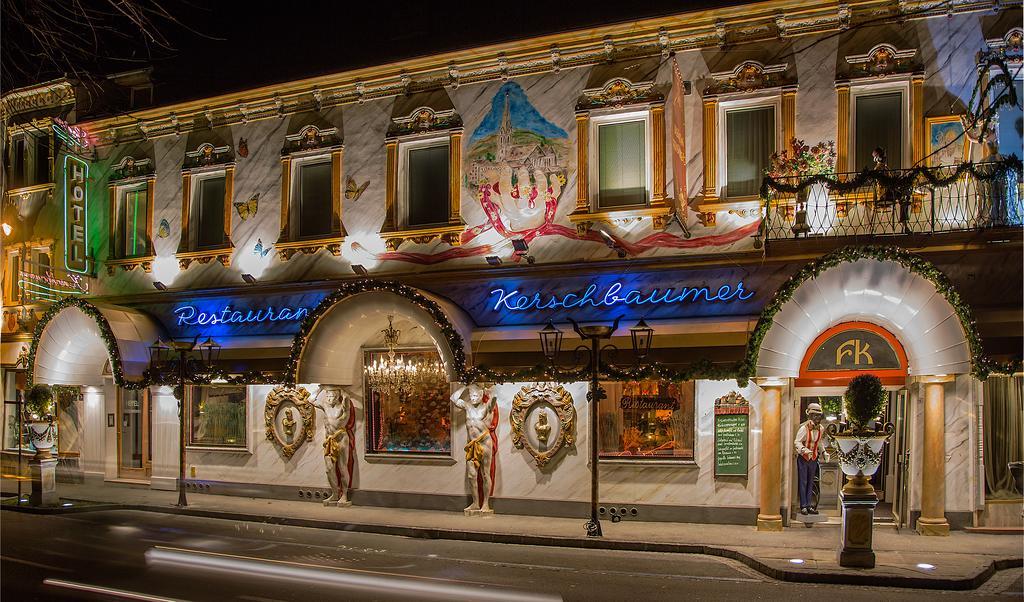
[(565, 478)]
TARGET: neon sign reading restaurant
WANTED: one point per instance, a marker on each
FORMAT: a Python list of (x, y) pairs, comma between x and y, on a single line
[(614, 295), (190, 315)]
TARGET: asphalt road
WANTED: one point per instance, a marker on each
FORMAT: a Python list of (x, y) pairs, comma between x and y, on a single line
[(118, 555)]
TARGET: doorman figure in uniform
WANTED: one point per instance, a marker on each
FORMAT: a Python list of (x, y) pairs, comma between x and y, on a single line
[(810, 445)]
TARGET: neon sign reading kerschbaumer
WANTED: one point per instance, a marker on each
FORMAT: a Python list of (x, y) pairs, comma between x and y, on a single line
[(615, 295)]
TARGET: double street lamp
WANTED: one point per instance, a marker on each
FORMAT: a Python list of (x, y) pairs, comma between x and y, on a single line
[(181, 363), (594, 365)]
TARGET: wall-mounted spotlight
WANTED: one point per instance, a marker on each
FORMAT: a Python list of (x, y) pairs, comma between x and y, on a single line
[(249, 278), (360, 269), (493, 260), (6, 228), (160, 286), (520, 248)]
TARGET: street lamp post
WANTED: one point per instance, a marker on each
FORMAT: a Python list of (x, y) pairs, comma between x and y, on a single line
[(551, 343), (176, 359)]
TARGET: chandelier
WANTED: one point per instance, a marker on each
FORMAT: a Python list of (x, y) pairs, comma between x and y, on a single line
[(391, 374)]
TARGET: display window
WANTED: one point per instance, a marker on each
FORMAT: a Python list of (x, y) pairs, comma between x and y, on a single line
[(417, 421), (218, 417), (647, 420)]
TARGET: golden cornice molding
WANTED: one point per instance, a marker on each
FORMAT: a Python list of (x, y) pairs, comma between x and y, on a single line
[(699, 29)]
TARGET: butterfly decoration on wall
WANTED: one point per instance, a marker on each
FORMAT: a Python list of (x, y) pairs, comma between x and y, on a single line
[(247, 209), (353, 192), (164, 229), (243, 147), (259, 250)]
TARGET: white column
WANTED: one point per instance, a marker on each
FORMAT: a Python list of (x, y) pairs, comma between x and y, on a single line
[(165, 439)]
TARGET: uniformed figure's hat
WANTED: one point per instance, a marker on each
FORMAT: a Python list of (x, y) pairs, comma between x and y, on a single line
[(813, 408)]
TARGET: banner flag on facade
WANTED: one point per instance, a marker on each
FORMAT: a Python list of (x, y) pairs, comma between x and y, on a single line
[(679, 144)]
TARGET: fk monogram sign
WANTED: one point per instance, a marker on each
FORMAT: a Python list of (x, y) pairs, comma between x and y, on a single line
[(854, 349)]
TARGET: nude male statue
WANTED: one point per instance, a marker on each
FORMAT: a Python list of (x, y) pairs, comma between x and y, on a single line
[(339, 442), (481, 422)]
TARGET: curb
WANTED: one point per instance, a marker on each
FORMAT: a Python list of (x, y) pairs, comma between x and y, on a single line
[(817, 577)]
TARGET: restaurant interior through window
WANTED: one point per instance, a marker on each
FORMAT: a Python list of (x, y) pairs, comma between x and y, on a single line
[(416, 419), (647, 420)]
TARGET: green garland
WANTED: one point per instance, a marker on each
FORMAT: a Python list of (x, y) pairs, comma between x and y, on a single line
[(981, 365), (895, 179)]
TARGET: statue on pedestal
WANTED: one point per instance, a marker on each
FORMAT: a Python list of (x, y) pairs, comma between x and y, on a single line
[(339, 442), (482, 442)]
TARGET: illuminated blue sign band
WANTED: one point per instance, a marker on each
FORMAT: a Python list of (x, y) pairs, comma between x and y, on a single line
[(189, 315), (614, 295)]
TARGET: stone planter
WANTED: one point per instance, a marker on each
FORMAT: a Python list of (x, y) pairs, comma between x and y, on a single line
[(40, 435)]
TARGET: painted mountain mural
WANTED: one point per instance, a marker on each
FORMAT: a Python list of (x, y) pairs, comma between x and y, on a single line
[(517, 163)]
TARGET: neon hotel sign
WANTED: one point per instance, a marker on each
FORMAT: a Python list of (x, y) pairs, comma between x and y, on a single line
[(615, 295), (190, 315)]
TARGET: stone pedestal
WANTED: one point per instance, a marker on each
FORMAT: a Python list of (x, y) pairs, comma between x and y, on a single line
[(44, 482), (337, 503), (858, 502)]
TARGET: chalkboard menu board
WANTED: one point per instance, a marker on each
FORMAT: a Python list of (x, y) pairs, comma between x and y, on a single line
[(731, 428)]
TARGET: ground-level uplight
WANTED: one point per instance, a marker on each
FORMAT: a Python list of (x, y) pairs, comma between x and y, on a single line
[(925, 566), (797, 560)]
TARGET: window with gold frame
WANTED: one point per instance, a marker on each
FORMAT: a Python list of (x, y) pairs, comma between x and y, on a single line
[(419, 422), (647, 420)]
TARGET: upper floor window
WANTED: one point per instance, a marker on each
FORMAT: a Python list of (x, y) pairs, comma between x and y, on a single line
[(313, 199), (622, 159), (209, 211), (131, 232), (29, 160), (750, 140), (425, 182), (207, 187), (131, 209), (1011, 123), (424, 166), (879, 119), (26, 271), (311, 204)]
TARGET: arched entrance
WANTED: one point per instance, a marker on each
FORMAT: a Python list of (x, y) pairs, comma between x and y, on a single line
[(900, 301), (96, 353)]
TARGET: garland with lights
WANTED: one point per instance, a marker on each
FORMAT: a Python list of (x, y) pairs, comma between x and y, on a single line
[(981, 365), (896, 179)]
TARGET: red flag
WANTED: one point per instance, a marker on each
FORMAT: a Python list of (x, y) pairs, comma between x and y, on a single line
[(679, 143)]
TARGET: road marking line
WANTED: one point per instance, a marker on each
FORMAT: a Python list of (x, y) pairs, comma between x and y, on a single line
[(37, 565), (107, 591)]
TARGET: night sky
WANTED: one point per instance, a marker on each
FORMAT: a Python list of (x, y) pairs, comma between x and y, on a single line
[(229, 45)]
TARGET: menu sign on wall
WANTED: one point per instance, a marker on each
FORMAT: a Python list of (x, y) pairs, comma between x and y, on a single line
[(732, 427)]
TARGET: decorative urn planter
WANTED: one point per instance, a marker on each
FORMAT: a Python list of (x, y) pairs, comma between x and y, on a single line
[(40, 434), (859, 455)]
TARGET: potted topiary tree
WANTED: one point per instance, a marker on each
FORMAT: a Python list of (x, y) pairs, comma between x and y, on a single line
[(859, 439), (39, 419)]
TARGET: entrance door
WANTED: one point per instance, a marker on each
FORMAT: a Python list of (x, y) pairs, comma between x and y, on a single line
[(899, 454), (134, 448)]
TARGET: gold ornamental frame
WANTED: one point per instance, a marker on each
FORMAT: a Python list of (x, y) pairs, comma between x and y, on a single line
[(277, 399), (558, 398)]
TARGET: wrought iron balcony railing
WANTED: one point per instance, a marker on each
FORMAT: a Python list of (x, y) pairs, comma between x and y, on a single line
[(893, 202)]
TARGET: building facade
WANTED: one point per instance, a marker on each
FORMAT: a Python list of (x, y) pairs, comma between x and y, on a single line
[(467, 200)]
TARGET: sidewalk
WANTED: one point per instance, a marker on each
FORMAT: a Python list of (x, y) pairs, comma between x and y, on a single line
[(961, 561)]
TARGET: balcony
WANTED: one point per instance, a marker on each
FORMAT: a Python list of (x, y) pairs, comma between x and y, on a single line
[(950, 198)]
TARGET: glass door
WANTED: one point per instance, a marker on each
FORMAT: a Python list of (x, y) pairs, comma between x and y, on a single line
[(900, 455), (133, 434)]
